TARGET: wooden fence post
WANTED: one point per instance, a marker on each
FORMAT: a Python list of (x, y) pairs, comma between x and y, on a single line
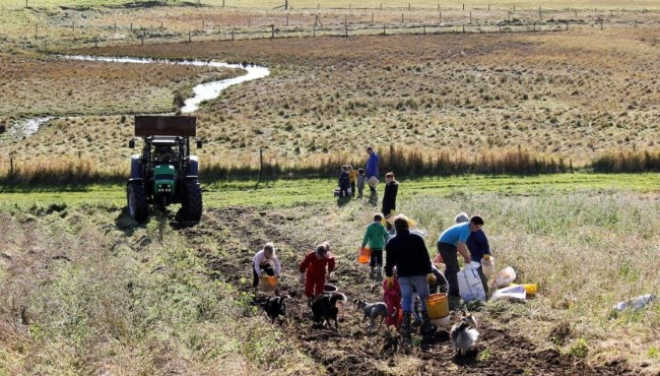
[(470, 16), (287, 20), (540, 13), (314, 30), (250, 21), (463, 6), (440, 16), (11, 168), (402, 18), (463, 28), (384, 29), (424, 29), (272, 31), (409, 8), (372, 18), (232, 34), (115, 30), (189, 37), (131, 26)]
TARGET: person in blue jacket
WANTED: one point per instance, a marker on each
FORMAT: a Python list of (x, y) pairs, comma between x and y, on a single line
[(372, 166), (452, 240), (477, 243)]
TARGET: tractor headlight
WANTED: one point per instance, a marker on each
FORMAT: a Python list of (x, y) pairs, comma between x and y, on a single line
[(164, 188)]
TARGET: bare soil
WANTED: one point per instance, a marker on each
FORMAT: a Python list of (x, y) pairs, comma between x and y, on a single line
[(351, 350)]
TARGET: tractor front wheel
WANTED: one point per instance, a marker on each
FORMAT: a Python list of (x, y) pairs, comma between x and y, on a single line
[(191, 206), (138, 206)]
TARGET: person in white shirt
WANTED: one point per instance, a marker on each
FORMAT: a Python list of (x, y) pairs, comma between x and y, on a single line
[(261, 264)]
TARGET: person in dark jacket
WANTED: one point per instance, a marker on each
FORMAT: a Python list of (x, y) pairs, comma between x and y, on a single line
[(344, 182), (389, 199), (477, 243), (407, 251)]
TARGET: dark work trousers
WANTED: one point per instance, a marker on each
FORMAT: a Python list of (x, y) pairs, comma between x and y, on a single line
[(265, 268), (449, 253), (484, 279), (376, 258)]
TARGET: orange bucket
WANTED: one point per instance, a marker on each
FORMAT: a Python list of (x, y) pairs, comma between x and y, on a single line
[(364, 255), (437, 306), (268, 283)]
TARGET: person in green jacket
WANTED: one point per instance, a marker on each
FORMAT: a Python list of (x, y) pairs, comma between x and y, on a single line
[(376, 236)]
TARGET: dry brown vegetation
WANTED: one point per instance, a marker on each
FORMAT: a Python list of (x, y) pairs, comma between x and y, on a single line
[(572, 95), (35, 85)]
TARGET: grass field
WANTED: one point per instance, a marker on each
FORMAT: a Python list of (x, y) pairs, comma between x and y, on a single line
[(88, 291)]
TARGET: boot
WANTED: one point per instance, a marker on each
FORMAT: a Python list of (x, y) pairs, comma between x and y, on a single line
[(379, 271), (405, 329), (428, 329), (372, 273)]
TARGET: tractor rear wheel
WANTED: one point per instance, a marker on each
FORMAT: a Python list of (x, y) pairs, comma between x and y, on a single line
[(138, 205), (191, 205)]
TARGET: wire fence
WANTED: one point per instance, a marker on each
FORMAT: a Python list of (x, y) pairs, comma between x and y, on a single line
[(336, 22)]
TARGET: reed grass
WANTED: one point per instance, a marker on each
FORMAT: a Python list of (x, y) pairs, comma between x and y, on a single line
[(628, 161), (403, 161)]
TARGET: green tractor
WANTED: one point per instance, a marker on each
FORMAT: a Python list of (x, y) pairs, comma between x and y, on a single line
[(165, 173)]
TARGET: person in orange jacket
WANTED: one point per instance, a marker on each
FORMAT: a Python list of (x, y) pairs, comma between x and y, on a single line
[(314, 265)]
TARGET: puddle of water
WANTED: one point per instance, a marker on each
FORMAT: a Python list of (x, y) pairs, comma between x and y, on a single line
[(26, 128)]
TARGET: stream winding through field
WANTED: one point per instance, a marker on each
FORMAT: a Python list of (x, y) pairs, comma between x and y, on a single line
[(202, 92)]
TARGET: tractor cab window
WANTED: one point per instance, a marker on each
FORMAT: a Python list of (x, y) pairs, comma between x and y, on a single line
[(164, 153)]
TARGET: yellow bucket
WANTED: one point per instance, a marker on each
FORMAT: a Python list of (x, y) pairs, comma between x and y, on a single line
[(530, 288), (437, 306)]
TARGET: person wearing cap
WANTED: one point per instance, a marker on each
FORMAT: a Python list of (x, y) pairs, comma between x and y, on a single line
[(261, 264), (407, 251), (451, 241), (313, 270)]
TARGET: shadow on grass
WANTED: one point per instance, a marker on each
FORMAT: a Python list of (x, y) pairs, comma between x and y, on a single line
[(161, 214), (126, 224)]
